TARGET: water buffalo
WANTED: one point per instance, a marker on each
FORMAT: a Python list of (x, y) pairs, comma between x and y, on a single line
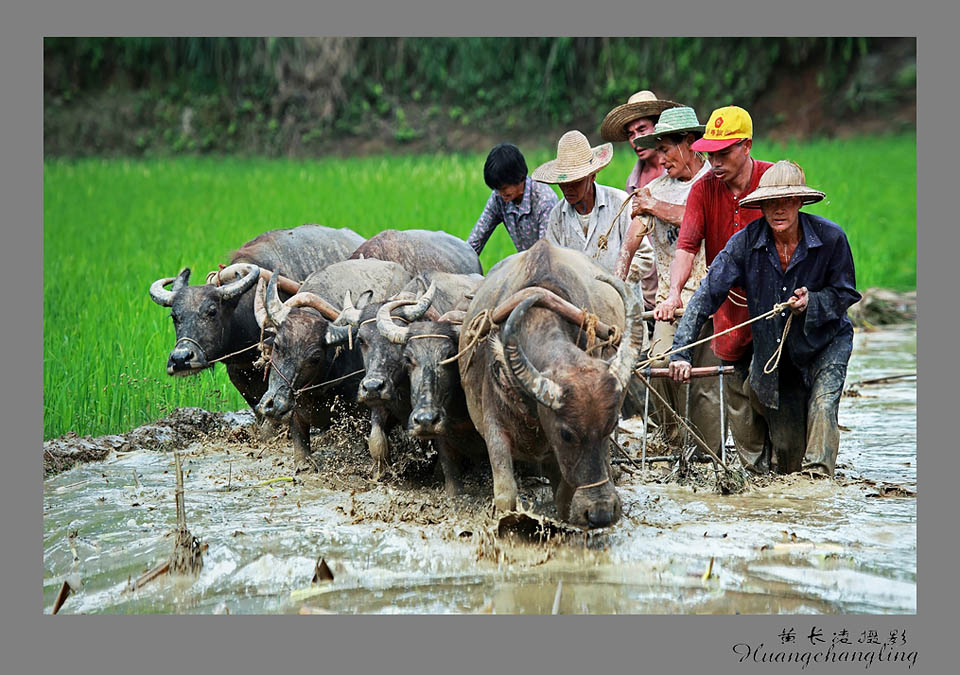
[(437, 404), (385, 388), (213, 321), (532, 391), (422, 251), (309, 350)]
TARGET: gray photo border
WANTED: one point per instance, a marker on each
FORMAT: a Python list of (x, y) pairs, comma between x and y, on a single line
[(423, 644)]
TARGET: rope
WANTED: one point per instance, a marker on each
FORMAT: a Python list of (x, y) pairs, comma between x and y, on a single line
[(777, 308), (602, 239), (479, 325), (328, 382), (775, 357), (593, 485), (736, 299)]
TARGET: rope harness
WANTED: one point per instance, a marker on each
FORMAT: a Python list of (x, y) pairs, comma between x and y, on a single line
[(777, 308)]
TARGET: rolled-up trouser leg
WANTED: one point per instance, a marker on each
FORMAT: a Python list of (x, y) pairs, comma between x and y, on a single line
[(747, 425), (704, 395)]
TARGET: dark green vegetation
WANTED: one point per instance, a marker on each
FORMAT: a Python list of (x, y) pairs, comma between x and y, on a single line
[(111, 227), (284, 96)]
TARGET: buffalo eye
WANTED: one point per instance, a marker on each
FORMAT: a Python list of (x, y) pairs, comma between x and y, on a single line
[(566, 435), (211, 311)]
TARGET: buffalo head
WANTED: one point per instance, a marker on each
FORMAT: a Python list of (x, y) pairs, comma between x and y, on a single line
[(202, 317), (298, 355), (381, 344)]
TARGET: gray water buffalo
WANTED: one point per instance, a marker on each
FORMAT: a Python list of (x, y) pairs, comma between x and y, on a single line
[(309, 351), (422, 251), (533, 392), (385, 388), (214, 322), (437, 403)]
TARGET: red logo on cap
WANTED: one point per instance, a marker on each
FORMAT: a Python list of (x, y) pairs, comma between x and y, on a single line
[(718, 123)]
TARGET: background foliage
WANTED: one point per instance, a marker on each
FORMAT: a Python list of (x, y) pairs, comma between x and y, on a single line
[(293, 96)]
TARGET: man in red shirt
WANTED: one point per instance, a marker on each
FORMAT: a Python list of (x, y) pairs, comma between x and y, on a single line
[(712, 216)]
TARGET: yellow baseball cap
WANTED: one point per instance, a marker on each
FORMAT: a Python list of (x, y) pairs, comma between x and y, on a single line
[(725, 127)]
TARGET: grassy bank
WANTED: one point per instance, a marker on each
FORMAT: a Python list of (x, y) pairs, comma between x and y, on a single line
[(111, 227)]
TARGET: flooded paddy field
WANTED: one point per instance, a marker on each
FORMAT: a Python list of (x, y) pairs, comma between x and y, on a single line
[(790, 544)]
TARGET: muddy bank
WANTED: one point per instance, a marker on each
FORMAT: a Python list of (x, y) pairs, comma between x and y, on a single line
[(788, 544)]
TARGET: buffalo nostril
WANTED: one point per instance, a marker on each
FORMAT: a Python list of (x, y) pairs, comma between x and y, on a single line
[(373, 385), (427, 417)]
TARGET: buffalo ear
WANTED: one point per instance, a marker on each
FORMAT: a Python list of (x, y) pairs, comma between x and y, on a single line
[(364, 298)]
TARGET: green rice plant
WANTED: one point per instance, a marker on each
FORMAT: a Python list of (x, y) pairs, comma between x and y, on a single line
[(112, 227)]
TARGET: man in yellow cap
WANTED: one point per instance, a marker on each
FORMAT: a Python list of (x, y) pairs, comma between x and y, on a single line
[(713, 214), (801, 265)]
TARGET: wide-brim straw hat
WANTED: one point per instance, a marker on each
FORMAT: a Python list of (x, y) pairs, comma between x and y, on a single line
[(575, 160), (681, 120), (783, 179), (641, 104)]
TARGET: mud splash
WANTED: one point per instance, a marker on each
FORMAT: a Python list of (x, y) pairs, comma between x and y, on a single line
[(789, 544)]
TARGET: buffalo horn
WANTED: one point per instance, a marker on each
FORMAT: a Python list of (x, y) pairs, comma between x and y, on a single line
[(276, 312), (415, 311), (336, 335), (348, 315), (161, 295), (632, 340), (388, 329), (541, 387), (260, 305), (308, 299), (236, 288)]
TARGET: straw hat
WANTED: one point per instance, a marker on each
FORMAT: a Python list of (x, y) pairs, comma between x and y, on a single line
[(575, 160), (642, 104), (783, 179), (680, 120)]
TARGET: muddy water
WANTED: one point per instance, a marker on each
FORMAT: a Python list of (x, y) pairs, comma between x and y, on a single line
[(791, 545)]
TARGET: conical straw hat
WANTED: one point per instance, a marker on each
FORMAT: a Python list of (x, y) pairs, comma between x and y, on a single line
[(575, 160), (641, 104), (783, 179)]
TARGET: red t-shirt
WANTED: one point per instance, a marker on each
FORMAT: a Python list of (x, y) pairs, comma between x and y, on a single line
[(713, 215)]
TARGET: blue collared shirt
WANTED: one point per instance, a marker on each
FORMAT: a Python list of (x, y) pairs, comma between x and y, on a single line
[(526, 222), (822, 261)]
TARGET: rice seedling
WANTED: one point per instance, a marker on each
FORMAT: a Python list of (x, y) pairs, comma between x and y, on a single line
[(111, 227)]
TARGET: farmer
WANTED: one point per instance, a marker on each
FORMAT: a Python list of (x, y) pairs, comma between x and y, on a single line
[(800, 353), (657, 213), (587, 218), (521, 204), (627, 122), (712, 215)]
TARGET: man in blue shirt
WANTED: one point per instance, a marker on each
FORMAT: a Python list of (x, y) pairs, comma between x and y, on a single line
[(801, 353), (520, 203)]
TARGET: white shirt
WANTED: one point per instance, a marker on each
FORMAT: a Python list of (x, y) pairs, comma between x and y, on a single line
[(564, 229)]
